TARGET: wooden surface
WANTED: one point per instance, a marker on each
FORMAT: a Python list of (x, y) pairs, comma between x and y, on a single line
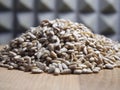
[(19, 80)]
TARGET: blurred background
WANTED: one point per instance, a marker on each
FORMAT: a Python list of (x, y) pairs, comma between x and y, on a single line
[(16, 16)]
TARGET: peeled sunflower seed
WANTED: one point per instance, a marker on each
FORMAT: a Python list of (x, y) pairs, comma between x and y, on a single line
[(66, 71), (57, 71), (12, 53), (36, 71), (72, 66), (10, 67), (22, 68), (64, 66), (53, 54), (109, 66), (31, 35), (51, 69), (60, 66), (41, 65), (96, 69), (86, 71), (77, 71)]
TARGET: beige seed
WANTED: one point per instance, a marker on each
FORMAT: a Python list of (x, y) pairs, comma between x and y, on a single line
[(85, 50), (96, 69), (66, 71), (116, 57), (14, 65), (55, 61), (63, 49), (39, 45), (66, 62), (31, 35), (49, 58), (51, 47), (20, 39), (64, 66), (10, 67), (17, 57), (6, 65), (57, 71), (28, 59), (88, 64), (46, 69), (109, 66), (86, 71), (91, 59), (12, 53), (77, 71), (82, 66), (51, 69), (36, 71), (40, 65), (53, 54), (73, 66), (22, 68), (55, 64), (60, 66)]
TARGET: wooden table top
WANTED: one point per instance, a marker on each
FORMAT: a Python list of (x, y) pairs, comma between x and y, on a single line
[(19, 80)]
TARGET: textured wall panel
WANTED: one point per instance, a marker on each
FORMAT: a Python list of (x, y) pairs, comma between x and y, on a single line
[(102, 16)]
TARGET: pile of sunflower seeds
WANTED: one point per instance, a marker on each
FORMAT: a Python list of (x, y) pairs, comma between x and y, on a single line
[(60, 47)]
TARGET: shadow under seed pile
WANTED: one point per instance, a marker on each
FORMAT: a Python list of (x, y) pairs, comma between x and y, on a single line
[(60, 47)]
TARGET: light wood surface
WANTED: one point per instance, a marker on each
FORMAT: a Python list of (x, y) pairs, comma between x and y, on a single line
[(19, 80)]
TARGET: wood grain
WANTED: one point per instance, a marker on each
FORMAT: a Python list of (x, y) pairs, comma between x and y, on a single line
[(19, 80)]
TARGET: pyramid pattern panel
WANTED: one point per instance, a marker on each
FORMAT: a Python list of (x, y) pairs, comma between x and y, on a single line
[(16, 16)]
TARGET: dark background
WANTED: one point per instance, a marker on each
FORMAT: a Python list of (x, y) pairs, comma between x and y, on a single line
[(16, 16)]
